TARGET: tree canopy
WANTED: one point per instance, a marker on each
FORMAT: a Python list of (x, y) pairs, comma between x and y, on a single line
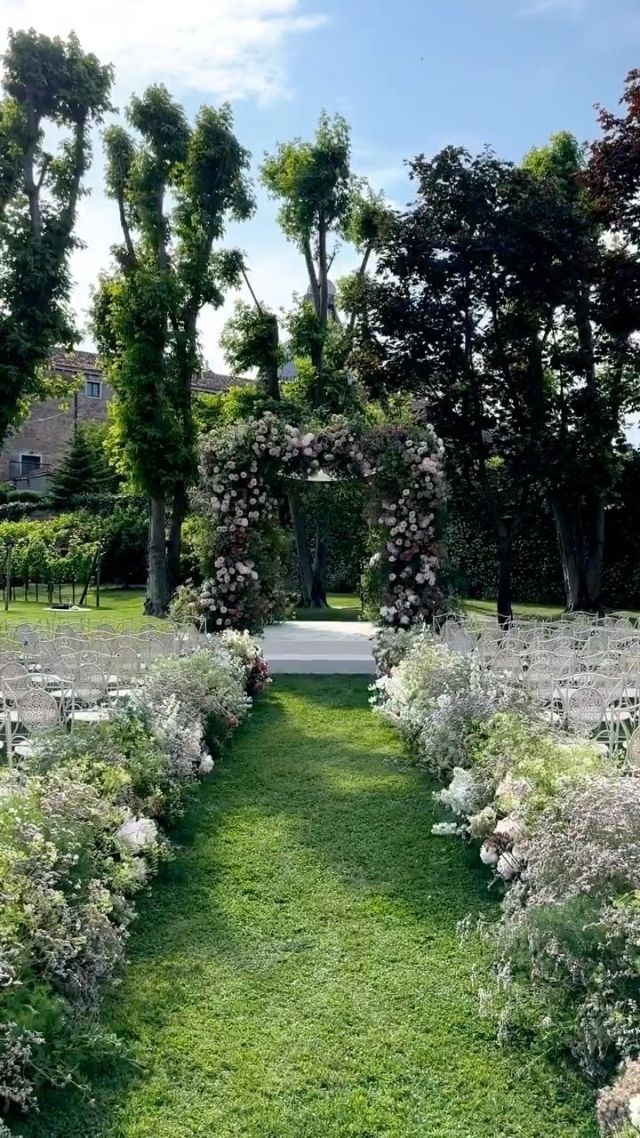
[(47, 83), (175, 185)]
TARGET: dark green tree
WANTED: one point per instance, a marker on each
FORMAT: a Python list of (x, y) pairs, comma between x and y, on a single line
[(175, 186), (49, 85), (499, 301), (451, 314), (591, 360), (83, 470)]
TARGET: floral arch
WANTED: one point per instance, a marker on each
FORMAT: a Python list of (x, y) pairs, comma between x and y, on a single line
[(242, 471)]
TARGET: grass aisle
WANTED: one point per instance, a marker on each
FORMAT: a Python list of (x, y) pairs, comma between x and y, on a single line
[(296, 973)]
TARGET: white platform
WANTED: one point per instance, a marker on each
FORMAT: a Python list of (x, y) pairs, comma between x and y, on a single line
[(320, 647)]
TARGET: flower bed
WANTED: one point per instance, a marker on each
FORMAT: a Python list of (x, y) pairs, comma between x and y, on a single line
[(82, 830), (558, 826)]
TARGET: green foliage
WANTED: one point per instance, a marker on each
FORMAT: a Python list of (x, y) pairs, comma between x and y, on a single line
[(84, 469), (500, 302), (49, 85), (537, 569), (311, 911), (145, 313), (84, 815), (176, 186), (339, 514), (237, 404), (312, 181), (31, 496), (63, 549), (251, 339)]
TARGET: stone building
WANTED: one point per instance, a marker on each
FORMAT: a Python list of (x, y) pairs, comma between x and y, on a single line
[(33, 452)]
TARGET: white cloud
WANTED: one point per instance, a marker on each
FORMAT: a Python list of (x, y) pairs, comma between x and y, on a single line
[(229, 48), (222, 49)]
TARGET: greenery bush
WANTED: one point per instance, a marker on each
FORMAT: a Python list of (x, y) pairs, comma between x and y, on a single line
[(62, 549), (537, 572), (561, 829), (34, 496), (80, 835)]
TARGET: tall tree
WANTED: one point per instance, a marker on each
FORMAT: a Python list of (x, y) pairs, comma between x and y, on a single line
[(450, 317), (47, 83), (321, 205), (590, 316), (176, 186), (500, 302)]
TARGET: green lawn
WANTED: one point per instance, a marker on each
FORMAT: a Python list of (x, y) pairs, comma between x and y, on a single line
[(342, 606), (521, 609), (296, 972), (115, 605)]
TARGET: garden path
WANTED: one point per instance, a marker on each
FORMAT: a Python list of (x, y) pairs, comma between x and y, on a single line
[(296, 971)]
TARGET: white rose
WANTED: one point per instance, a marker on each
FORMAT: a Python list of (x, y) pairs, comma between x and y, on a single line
[(488, 854), (139, 833), (206, 765), (506, 867)]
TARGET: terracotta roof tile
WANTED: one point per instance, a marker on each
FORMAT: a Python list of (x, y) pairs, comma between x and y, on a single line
[(210, 381)]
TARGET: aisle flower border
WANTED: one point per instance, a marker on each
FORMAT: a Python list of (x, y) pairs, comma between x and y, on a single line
[(241, 469), (556, 821), (84, 826)]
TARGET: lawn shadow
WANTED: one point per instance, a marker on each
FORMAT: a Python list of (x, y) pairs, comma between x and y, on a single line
[(346, 799)]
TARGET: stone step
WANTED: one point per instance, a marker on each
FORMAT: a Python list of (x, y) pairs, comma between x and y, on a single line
[(320, 647)]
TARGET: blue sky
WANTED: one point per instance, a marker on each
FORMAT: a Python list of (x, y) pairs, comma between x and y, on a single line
[(409, 75)]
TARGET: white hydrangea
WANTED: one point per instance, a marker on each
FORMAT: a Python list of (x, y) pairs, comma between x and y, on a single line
[(488, 854), (507, 867), (138, 833), (461, 795), (206, 765)]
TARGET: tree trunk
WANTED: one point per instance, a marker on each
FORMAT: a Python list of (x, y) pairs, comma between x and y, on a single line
[(580, 530), (319, 582), (178, 514), (157, 599), (504, 545), (300, 537)]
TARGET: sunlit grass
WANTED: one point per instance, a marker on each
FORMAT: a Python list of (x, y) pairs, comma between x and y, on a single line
[(297, 972)]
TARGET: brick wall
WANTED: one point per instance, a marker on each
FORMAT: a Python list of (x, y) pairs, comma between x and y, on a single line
[(48, 430)]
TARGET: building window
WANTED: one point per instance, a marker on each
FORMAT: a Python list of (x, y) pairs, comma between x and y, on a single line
[(94, 389), (29, 463)]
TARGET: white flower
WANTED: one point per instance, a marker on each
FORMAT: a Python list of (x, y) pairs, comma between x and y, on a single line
[(634, 1110), (446, 829), (506, 867), (139, 869), (488, 854), (206, 765), (139, 833)]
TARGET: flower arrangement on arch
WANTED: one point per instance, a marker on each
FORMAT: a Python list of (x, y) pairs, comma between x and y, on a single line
[(240, 470)]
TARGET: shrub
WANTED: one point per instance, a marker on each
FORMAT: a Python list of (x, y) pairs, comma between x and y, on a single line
[(437, 698), (79, 837), (568, 943), (34, 496), (562, 830)]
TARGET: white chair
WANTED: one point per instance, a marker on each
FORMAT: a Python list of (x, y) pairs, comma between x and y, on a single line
[(585, 711), (89, 693), (35, 710)]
